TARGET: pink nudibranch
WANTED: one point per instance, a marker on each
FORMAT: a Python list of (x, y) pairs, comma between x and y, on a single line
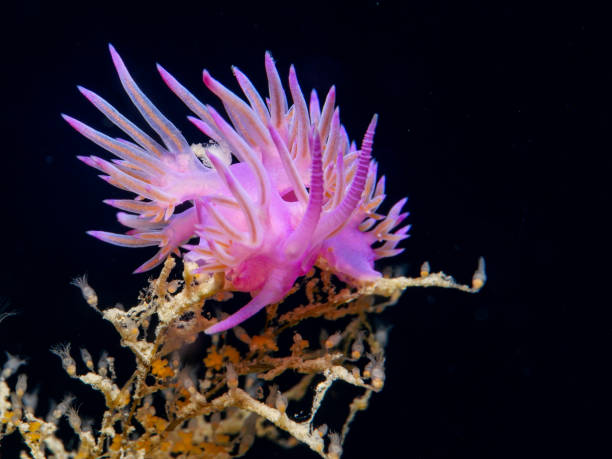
[(299, 192)]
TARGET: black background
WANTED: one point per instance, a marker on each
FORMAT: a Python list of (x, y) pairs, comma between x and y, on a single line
[(490, 115)]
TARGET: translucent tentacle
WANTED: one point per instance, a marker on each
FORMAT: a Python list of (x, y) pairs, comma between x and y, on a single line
[(143, 139), (188, 99), (122, 240), (327, 112), (124, 181), (131, 205), (124, 150), (331, 147), (278, 100), (301, 113), (179, 229), (257, 103), (146, 168), (251, 125), (171, 136), (289, 166), (138, 223), (388, 248)]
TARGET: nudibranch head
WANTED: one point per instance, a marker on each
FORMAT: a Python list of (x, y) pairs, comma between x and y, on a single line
[(277, 190)]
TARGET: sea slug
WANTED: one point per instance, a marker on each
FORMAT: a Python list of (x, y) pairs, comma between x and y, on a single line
[(277, 190)]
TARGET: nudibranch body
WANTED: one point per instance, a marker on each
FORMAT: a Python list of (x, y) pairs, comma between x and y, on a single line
[(277, 190)]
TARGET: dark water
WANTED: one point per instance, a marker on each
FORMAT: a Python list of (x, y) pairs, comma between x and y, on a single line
[(482, 106)]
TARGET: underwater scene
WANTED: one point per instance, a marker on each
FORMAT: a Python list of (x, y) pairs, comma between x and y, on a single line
[(245, 229)]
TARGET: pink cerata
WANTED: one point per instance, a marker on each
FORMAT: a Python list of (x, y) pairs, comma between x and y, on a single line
[(277, 190)]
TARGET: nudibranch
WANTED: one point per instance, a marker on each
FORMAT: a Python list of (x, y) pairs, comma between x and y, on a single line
[(276, 190)]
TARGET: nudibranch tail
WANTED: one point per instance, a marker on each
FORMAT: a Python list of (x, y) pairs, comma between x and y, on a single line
[(277, 190), (269, 294)]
